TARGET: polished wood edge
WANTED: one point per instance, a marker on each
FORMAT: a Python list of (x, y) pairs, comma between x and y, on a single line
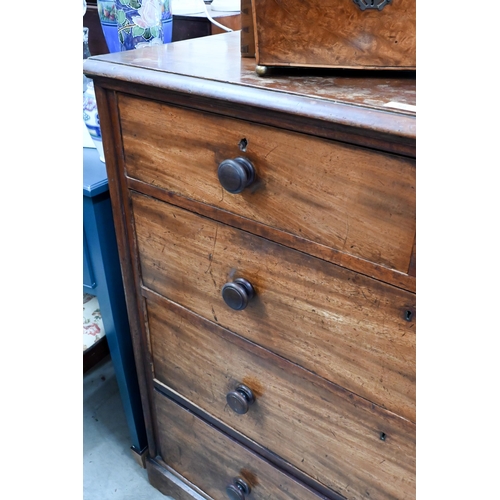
[(364, 267), (255, 32), (278, 64), (120, 205), (264, 454), (287, 365), (170, 483), (140, 457), (380, 129), (412, 270)]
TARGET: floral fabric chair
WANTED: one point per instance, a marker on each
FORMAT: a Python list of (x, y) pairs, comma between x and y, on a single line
[(94, 341)]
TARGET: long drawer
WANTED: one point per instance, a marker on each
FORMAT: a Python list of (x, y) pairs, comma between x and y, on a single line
[(213, 461), (347, 328), (355, 201), (340, 440)]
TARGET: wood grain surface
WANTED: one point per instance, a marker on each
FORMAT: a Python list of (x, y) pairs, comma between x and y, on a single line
[(322, 429), (331, 330), (170, 483), (345, 327), (218, 59), (212, 460), (109, 118), (335, 33), (354, 200), (364, 267), (247, 45), (210, 74)]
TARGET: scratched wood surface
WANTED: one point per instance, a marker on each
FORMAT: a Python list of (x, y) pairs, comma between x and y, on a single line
[(345, 327), (335, 33), (322, 429), (212, 460), (354, 200), (170, 483), (218, 59)]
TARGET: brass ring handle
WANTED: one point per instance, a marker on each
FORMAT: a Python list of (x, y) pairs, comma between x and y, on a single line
[(235, 175), (237, 293), (240, 399), (238, 490)]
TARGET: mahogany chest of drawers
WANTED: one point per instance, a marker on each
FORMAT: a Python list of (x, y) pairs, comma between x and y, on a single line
[(266, 231)]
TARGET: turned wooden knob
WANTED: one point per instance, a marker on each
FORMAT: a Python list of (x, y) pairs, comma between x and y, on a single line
[(235, 175), (237, 293), (240, 399), (238, 490)]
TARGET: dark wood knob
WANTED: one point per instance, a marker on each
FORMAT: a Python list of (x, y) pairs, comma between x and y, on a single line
[(240, 399), (235, 175), (238, 490), (237, 293)]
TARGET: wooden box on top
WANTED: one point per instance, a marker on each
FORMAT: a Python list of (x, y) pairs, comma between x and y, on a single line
[(351, 34)]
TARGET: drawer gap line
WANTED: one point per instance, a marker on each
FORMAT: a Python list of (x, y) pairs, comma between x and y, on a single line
[(160, 300), (407, 284), (257, 449)]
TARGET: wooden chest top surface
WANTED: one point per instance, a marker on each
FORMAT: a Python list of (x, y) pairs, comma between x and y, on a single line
[(218, 64)]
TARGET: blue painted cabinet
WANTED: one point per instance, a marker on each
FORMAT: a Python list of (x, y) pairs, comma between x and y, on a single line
[(102, 278)]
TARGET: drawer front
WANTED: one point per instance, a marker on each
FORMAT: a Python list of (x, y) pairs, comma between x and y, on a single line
[(347, 328), (356, 201), (323, 430), (211, 460)]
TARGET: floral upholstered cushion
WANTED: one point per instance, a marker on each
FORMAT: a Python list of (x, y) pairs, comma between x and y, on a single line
[(93, 329)]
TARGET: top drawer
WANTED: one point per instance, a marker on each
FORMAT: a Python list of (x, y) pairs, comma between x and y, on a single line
[(350, 199)]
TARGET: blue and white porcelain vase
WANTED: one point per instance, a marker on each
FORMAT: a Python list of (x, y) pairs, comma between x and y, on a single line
[(107, 16), (91, 118), (139, 23), (90, 113)]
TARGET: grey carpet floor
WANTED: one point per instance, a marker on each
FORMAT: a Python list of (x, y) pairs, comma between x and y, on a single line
[(109, 469)]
